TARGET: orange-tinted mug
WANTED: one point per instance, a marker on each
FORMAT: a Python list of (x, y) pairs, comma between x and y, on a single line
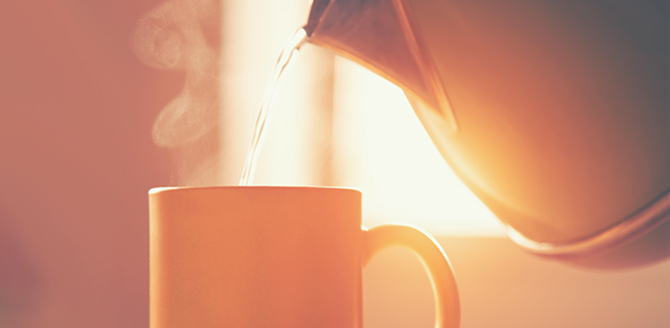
[(273, 257)]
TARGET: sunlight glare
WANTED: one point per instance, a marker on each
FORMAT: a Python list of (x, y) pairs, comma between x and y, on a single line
[(401, 173)]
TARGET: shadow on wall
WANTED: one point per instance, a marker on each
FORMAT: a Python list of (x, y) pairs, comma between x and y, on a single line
[(19, 281)]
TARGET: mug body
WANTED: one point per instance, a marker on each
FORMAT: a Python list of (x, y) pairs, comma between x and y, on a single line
[(255, 257)]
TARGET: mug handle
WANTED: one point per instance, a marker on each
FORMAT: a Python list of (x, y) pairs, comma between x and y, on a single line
[(448, 312)]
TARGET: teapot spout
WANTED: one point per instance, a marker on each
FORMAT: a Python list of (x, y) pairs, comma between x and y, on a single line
[(381, 36), (315, 13)]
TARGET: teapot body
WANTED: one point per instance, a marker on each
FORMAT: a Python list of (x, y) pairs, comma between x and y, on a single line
[(555, 113)]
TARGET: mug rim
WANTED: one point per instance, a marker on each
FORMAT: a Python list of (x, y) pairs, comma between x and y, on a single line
[(156, 190)]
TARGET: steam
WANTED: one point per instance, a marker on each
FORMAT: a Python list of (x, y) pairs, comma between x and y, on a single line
[(182, 35)]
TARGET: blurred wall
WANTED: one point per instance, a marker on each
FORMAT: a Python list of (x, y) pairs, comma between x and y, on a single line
[(76, 161)]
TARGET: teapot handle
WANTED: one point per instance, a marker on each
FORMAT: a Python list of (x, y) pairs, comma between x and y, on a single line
[(447, 314)]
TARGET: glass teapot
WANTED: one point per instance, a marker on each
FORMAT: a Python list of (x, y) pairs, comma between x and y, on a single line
[(554, 113)]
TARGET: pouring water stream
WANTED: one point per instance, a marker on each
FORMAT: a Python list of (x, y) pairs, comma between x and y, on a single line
[(287, 54)]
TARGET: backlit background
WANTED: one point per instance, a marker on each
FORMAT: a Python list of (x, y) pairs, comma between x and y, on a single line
[(100, 101)]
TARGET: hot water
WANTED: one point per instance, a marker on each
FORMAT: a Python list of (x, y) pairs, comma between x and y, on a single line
[(285, 57)]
